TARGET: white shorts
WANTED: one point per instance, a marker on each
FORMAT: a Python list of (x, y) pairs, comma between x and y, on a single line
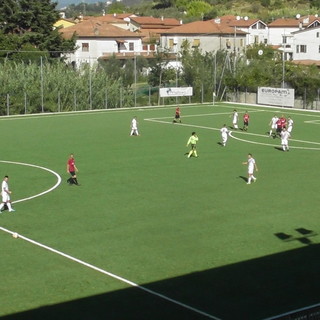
[(284, 142), (5, 197), (274, 126)]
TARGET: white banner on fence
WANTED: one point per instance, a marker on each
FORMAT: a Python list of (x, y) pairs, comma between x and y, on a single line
[(176, 92), (276, 96)]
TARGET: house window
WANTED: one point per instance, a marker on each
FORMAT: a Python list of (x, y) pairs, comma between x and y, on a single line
[(241, 43), (319, 49), (196, 43), (85, 47), (131, 46), (256, 39), (317, 34), (171, 43), (145, 47), (284, 39), (228, 44), (303, 48)]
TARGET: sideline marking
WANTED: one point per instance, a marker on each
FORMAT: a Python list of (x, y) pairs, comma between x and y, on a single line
[(112, 275), (38, 167)]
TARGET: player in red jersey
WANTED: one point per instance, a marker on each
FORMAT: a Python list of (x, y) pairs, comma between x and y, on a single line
[(246, 118), (283, 122), (279, 127), (177, 116), (72, 169)]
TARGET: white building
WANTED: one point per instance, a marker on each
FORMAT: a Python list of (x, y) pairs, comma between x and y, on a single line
[(256, 30), (96, 39), (306, 44)]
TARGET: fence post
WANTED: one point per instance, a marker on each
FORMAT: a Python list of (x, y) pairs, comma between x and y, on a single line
[(106, 99), (25, 103), (59, 107), (8, 104), (75, 100)]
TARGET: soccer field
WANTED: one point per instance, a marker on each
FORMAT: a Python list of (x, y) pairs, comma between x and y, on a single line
[(150, 234)]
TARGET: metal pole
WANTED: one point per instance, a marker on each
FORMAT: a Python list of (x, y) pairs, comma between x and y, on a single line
[(25, 103), (135, 80), (75, 100), (90, 88), (8, 104), (41, 84), (106, 99)]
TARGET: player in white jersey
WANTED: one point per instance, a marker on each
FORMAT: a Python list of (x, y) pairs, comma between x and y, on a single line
[(235, 117), (273, 124), (134, 127), (224, 135), (290, 125), (251, 167), (285, 135), (5, 192)]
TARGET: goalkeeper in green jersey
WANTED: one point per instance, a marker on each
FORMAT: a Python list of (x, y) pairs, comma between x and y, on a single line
[(193, 141)]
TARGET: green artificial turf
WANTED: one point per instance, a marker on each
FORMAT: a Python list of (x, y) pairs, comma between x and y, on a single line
[(190, 229)]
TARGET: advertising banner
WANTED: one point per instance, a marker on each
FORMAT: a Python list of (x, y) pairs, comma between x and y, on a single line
[(276, 96), (176, 92)]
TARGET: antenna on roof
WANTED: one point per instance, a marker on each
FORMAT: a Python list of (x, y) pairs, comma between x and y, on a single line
[(246, 18), (298, 15), (316, 15), (238, 17)]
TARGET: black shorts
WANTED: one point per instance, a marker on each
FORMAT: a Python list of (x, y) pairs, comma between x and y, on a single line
[(246, 123), (73, 173), (193, 147)]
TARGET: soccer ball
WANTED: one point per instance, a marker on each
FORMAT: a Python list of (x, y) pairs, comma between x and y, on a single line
[(15, 235)]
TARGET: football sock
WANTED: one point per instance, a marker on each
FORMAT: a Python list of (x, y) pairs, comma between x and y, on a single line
[(190, 153), (195, 153), (1, 206), (9, 206), (75, 181)]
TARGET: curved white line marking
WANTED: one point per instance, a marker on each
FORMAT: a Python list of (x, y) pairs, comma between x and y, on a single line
[(272, 145), (38, 167)]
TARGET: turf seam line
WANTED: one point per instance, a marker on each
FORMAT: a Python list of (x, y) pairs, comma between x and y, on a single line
[(111, 275)]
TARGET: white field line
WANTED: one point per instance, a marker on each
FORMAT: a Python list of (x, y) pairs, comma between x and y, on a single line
[(38, 167), (112, 275), (239, 132), (85, 263), (292, 312), (273, 145)]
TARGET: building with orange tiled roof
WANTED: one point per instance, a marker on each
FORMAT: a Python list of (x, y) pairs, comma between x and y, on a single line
[(140, 23), (206, 35), (256, 29), (95, 38), (281, 32)]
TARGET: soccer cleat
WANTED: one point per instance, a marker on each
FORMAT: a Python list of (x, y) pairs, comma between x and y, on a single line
[(248, 182), (12, 210)]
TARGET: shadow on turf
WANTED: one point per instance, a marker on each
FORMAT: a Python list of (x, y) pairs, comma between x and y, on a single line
[(253, 289)]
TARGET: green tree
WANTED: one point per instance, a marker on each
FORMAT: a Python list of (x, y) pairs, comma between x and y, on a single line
[(29, 23)]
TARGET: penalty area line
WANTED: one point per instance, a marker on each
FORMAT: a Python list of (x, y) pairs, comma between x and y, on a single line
[(112, 275)]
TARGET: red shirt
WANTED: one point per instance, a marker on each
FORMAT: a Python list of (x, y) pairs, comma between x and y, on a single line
[(178, 111), (283, 122), (279, 123), (71, 164), (246, 117)]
